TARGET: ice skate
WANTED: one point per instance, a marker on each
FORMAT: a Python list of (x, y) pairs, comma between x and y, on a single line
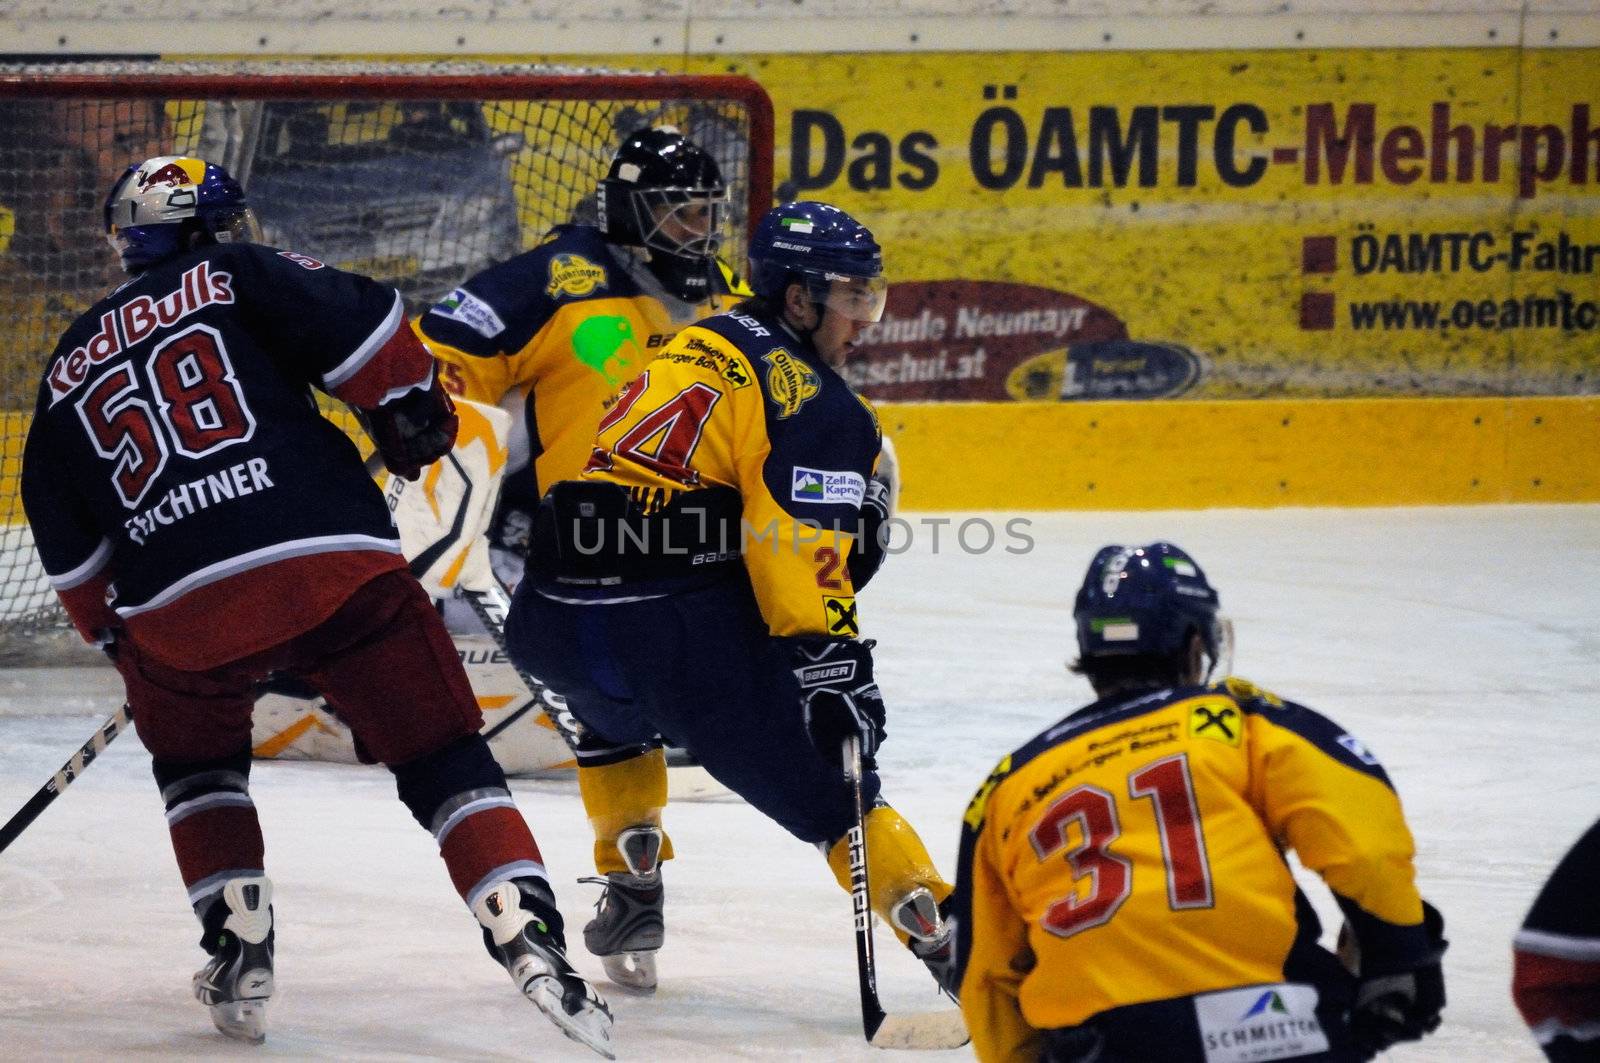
[(628, 926), (237, 981), (930, 937), (522, 929)]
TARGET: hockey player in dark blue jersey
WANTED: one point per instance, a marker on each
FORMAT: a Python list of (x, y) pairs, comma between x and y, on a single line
[(198, 516), (750, 467)]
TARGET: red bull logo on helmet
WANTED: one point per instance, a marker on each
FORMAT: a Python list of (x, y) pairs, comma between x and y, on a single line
[(171, 170)]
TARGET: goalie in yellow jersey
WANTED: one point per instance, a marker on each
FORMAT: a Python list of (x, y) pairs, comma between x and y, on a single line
[(552, 334), (698, 583), (1122, 893)]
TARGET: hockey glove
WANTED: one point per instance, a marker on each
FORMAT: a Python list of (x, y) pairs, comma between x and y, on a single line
[(1400, 1002), (838, 696), (866, 553), (414, 430)]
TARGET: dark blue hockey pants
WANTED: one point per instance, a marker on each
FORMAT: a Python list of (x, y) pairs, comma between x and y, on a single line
[(698, 668)]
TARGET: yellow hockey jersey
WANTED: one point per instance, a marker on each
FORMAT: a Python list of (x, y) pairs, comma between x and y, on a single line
[(1134, 853), (566, 324), (740, 401)]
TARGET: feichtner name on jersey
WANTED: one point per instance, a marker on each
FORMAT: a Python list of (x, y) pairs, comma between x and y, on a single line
[(127, 324), (236, 481)]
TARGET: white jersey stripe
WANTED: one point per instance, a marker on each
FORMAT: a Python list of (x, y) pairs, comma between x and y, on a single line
[(325, 544), (1550, 1029), (369, 346), (1560, 946), (86, 571)]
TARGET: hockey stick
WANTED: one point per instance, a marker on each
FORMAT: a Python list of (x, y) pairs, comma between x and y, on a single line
[(872, 1014), (64, 778), (443, 537), (930, 1030), (492, 606)]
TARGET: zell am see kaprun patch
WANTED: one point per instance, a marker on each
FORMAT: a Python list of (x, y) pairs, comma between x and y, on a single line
[(826, 486)]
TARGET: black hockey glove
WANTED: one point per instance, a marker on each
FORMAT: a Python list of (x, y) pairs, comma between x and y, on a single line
[(1397, 1002), (838, 696), (414, 430), (866, 553)]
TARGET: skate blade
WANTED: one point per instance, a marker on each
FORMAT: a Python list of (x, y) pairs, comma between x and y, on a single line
[(242, 1020), (590, 1027), (632, 970)]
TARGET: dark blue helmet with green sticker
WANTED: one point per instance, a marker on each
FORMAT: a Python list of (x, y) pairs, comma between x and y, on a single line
[(818, 241), (1144, 601)]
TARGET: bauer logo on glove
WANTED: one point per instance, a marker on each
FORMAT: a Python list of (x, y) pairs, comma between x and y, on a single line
[(817, 675)]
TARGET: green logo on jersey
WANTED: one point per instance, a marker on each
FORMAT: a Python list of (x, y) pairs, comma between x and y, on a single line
[(1268, 1001), (599, 340)]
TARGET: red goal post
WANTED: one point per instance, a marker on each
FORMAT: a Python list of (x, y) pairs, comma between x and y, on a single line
[(419, 174)]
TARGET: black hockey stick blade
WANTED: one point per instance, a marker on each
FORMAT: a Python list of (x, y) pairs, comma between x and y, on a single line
[(924, 1031), (58, 782)]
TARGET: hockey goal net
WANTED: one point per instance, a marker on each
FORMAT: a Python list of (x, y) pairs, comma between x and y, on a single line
[(417, 174)]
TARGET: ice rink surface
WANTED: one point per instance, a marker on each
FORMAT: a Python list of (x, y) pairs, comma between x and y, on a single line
[(1462, 645)]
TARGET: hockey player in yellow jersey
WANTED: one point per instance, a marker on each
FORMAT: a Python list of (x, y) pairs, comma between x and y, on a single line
[(698, 584), (554, 333), (1122, 893)]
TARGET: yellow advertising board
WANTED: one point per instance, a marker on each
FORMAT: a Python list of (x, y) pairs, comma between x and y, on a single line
[(1364, 225), (1213, 224)]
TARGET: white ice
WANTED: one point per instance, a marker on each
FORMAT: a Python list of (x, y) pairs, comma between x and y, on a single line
[(1463, 645)]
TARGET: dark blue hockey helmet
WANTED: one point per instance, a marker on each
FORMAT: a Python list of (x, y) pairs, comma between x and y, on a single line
[(157, 206), (1144, 601), (818, 244)]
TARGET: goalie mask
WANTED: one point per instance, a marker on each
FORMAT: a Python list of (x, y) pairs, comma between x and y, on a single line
[(1143, 601), (835, 256), (158, 208), (665, 194)]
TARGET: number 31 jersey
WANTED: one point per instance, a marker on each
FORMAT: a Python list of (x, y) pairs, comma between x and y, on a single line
[(1134, 853), (177, 469)]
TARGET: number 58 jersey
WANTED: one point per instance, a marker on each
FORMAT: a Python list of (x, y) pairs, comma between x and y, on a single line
[(1134, 853), (178, 477)]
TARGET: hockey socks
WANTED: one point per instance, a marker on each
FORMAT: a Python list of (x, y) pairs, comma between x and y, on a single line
[(459, 793), (897, 864), (621, 791), (215, 833)]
